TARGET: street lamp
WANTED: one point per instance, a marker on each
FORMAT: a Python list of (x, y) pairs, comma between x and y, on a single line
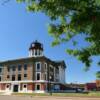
[(50, 89)]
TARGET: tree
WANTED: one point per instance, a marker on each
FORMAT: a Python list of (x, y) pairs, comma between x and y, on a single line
[(74, 17)]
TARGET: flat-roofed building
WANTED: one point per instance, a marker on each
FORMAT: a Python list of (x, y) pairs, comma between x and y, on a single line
[(32, 74)]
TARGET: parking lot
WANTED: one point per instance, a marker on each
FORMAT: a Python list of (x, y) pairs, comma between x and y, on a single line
[(45, 98)]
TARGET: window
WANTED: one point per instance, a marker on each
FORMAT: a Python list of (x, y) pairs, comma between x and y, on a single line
[(45, 66), (38, 66), (39, 52), (13, 77), (0, 78), (45, 76), (13, 68), (37, 76), (36, 52), (25, 75), (51, 69), (7, 86), (0, 70), (25, 86), (37, 87), (31, 53), (25, 67), (19, 77), (19, 67)]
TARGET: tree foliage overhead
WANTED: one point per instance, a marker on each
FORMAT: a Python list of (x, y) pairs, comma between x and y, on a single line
[(74, 17)]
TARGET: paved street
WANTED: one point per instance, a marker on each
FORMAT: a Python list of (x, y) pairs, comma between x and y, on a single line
[(44, 98)]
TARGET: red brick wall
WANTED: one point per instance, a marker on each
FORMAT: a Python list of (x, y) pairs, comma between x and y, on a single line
[(30, 86), (42, 86), (90, 86), (2, 86)]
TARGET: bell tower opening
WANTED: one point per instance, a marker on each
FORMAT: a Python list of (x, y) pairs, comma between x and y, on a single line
[(36, 49)]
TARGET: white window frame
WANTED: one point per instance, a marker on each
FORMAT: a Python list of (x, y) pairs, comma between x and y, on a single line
[(36, 66), (25, 78), (1, 69), (45, 66), (46, 76), (18, 68), (36, 87), (1, 78), (36, 75)]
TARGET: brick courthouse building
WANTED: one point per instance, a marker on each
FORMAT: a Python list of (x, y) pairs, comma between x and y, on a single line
[(35, 73)]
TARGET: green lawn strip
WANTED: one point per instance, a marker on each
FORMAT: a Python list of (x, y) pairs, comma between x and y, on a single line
[(91, 94), (96, 93), (31, 94)]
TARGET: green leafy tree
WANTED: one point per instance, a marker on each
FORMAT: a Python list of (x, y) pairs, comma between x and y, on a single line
[(74, 17)]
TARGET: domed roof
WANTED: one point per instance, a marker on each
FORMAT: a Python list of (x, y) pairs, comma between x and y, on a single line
[(36, 45)]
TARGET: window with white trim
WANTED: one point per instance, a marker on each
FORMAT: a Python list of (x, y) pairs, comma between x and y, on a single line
[(45, 66), (25, 67), (0, 78), (36, 52), (19, 77), (13, 77), (38, 86), (19, 67), (39, 52), (38, 66), (45, 76), (13, 68), (25, 76), (0, 70), (51, 68), (38, 76)]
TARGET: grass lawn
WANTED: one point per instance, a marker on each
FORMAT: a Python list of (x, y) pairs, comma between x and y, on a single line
[(90, 94)]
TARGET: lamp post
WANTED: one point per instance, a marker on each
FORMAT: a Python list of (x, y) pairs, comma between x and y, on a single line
[(50, 89)]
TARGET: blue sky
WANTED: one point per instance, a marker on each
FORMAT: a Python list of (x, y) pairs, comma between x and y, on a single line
[(18, 28)]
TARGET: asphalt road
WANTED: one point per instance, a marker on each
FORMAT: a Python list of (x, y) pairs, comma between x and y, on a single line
[(45, 98)]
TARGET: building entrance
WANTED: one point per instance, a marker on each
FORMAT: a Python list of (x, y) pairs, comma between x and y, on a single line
[(15, 88)]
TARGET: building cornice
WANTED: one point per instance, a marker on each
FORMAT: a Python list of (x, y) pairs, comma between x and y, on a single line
[(30, 59)]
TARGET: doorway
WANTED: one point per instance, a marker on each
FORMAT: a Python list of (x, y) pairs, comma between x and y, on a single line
[(15, 88)]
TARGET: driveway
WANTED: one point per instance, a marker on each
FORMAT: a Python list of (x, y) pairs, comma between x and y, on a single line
[(45, 98)]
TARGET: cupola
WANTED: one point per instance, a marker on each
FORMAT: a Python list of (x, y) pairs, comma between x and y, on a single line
[(36, 49)]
